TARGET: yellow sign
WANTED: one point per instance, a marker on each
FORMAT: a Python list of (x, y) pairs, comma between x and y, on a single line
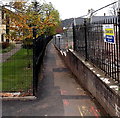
[(109, 32)]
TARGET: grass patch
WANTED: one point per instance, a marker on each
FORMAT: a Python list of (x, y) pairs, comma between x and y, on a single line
[(15, 74)]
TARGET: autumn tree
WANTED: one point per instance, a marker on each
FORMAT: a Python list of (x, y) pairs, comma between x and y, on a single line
[(50, 15), (44, 18)]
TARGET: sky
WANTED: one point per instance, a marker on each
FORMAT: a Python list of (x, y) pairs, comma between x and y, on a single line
[(77, 8)]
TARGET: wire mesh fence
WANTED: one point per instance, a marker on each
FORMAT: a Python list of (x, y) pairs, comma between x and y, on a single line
[(17, 68), (21, 65)]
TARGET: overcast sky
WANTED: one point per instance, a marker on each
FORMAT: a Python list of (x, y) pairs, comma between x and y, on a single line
[(77, 8)]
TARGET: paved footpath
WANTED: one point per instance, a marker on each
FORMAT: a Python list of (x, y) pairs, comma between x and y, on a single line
[(5, 56), (59, 94)]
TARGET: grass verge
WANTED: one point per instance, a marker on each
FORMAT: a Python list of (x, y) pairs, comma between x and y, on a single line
[(15, 74)]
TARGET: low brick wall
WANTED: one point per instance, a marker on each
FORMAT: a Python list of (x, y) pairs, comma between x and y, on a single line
[(102, 88)]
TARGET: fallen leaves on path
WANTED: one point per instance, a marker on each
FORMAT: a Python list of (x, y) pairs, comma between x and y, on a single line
[(16, 94), (10, 94)]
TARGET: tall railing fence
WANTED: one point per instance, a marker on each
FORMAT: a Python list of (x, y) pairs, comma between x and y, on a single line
[(39, 46), (99, 45)]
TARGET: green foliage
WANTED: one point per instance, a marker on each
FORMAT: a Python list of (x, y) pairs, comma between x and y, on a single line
[(42, 17), (27, 44)]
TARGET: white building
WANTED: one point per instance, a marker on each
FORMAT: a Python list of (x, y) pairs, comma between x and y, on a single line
[(2, 26)]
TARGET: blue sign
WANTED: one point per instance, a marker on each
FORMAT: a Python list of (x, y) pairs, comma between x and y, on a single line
[(110, 39)]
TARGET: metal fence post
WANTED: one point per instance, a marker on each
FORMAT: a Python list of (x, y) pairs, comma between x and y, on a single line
[(85, 29), (55, 39), (34, 63), (74, 38), (119, 38), (59, 41)]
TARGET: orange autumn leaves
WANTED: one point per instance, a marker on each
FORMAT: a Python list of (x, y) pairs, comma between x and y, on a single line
[(22, 23)]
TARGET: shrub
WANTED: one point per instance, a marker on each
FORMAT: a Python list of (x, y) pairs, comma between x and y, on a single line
[(27, 44), (5, 45)]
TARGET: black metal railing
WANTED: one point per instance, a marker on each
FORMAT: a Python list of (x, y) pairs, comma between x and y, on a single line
[(39, 46), (91, 41), (21, 62)]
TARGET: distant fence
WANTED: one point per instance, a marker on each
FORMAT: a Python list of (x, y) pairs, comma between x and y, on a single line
[(99, 43), (65, 41)]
